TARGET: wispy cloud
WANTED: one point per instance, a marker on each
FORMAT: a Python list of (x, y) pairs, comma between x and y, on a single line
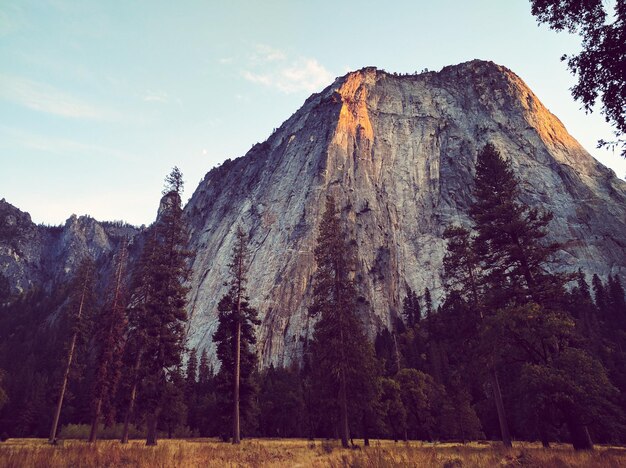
[(269, 54), (48, 99), (60, 146), (275, 69), (156, 96)]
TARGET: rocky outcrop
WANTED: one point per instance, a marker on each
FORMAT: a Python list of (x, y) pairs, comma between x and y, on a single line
[(37, 256), (398, 154)]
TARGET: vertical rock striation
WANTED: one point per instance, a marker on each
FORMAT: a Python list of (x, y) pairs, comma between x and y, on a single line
[(398, 154)]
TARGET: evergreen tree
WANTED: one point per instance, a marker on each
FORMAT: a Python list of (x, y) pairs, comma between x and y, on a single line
[(528, 301), (109, 341), (429, 302), (616, 302), (583, 309), (175, 405), (159, 304), (510, 237), (342, 355), (411, 308), (282, 411), (205, 372), (191, 389), (79, 313), (142, 293), (465, 282), (191, 379), (599, 294), (235, 338)]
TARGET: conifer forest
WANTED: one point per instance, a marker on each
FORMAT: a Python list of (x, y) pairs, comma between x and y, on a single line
[(512, 352), (229, 236)]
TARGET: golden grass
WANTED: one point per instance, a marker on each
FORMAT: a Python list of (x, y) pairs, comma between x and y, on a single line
[(297, 453)]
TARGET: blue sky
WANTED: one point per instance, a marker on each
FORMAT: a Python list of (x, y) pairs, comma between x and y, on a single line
[(99, 99)]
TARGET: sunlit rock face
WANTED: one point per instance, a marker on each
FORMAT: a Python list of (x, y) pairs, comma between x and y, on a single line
[(398, 154)]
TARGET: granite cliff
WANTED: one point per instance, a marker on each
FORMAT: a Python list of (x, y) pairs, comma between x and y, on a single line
[(398, 154)]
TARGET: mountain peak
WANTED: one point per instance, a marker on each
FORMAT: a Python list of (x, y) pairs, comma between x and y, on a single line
[(398, 153)]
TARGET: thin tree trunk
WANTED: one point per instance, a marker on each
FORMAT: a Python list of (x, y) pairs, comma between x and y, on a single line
[(133, 397), (581, 440), (151, 421), (110, 385), (66, 374), (497, 395), (236, 433), (543, 433), (94, 423), (344, 430)]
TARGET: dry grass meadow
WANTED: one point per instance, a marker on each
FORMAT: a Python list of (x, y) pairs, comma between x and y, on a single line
[(296, 453)]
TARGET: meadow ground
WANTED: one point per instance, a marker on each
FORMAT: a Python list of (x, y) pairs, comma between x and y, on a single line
[(297, 453)]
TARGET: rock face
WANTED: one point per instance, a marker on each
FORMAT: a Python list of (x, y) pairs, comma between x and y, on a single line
[(35, 256), (398, 154)]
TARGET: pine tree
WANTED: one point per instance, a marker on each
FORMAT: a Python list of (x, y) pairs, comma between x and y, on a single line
[(175, 405), (342, 355), (235, 336), (191, 389), (583, 309), (526, 301), (616, 302), (510, 237), (411, 308), (599, 294), (204, 370), (191, 378), (110, 339), (157, 306), (142, 292), (429, 302), (79, 310), (465, 278)]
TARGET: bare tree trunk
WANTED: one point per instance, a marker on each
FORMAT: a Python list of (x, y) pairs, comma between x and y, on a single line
[(94, 422), (581, 440), (236, 433), (151, 420), (133, 397), (543, 433), (66, 374), (497, 395)]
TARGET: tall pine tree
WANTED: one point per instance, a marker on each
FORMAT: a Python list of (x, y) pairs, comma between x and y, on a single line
[(157, 312), (342, 354), (235, 337)]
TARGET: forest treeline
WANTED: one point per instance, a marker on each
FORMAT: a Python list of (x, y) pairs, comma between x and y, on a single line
[(512, 350)]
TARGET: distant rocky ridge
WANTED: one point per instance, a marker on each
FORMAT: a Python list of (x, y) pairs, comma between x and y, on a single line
[(37, 256), (398, 154)]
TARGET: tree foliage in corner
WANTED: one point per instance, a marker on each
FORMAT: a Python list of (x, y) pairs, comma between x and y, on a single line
[(601, 63)]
